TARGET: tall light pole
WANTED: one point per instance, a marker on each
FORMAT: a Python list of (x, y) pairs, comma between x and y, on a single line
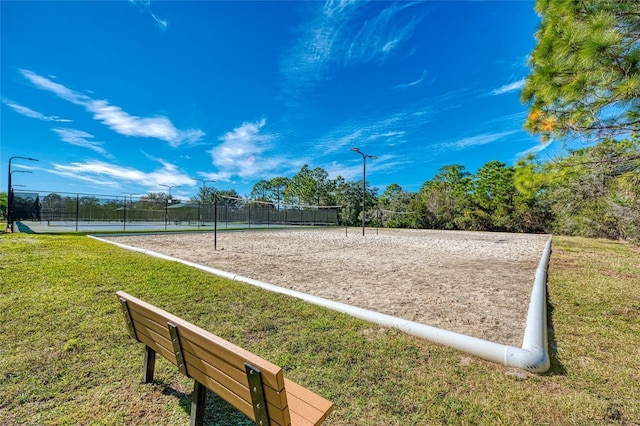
[(130, 194), (9, 198), (204, 182), (124, 221), (215, 211), (169, 186), (166, 205), (364, 180)]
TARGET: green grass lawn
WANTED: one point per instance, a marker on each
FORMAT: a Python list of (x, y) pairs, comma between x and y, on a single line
[(67, 358)]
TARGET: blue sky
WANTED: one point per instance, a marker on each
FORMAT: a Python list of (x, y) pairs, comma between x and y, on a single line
[(128, 96)]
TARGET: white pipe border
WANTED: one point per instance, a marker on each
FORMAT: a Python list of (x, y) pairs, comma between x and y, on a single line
[(532, 356)]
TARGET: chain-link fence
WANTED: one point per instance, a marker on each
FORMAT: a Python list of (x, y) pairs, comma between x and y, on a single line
[(84, 210)]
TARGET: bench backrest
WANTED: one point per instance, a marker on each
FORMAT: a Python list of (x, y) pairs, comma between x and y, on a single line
[(214, 362)]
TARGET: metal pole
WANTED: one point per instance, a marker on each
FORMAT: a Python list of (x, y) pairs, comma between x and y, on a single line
[(166, 209), (9, 199), (10, 202), (364, 189), (215, 220), (346, 221), (364, 181), (204, 181), (201, 215), (9, 207), (9, 191), (130, 194), (166, 205), (77, 210)]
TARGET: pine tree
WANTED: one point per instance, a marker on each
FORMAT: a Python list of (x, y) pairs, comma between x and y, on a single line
[(585, 78)]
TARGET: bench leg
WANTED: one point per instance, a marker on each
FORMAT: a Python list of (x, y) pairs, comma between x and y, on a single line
[(197, 404), (149, 364)]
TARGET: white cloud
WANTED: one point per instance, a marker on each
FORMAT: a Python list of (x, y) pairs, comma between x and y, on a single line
[(535, 149), (508, 88), (58, 89), (145, 6), (81, 139), (352, 170), (413, 83), (312, 53), (28, 112), (243, 152), (482, 139), (375, 135), (380, 132), (239, 152), (114, 176), (116, 119), (150, 127), (380, 36), (160, 23), (337, 34)]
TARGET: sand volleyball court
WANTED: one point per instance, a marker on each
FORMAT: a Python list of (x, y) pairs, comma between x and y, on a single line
[(475, 283)]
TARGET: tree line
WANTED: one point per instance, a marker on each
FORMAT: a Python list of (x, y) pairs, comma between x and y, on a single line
[(592, 191)]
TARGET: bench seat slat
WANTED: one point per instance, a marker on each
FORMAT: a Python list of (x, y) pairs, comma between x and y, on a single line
[(272, 374), (228, 376), (305, 406), (148, 324), (280, 417), (228, 388), (146, 337), (218, 363), (240, 403)]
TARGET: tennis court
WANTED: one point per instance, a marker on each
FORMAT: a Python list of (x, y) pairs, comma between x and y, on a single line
[(47, 227)]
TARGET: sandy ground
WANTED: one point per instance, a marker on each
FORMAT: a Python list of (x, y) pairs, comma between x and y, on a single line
[(474, 283)]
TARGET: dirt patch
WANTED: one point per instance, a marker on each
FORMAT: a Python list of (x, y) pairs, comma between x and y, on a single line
[(474, 283)]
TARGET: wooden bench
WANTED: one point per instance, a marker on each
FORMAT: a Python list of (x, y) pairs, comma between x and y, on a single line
[(251, 384)]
